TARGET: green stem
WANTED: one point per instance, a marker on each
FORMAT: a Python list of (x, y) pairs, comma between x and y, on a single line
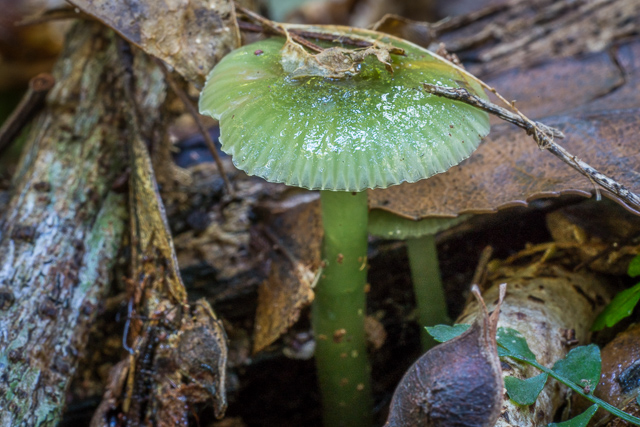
[(427, 286), (590, 397), (339, 310)]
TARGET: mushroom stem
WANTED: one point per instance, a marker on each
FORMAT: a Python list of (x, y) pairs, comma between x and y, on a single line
[(339, 310), (427, 286)]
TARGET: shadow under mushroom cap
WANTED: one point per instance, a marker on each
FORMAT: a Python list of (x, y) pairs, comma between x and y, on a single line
[(371, 130)]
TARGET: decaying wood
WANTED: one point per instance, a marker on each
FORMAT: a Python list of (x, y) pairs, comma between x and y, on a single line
[(528, 32), (177, 352), (61, 232), (553, 308)]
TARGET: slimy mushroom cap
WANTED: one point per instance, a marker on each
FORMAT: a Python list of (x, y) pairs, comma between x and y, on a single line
[(369, 130)]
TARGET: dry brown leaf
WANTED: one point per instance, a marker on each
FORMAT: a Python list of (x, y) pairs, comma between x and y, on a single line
[(177, 352), (190, 35), (288, 288), (195, 351), (509, 170)]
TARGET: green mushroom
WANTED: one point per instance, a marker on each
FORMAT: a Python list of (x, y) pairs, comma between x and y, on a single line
[(288, 116), (420, 237)]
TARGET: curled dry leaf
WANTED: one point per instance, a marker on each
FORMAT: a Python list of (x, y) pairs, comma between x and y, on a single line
[(294, 263), (457, 383), (190, 35), (536, 306), (333, 63)]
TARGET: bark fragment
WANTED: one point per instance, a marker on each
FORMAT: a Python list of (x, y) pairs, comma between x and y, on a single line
[(61, 231)]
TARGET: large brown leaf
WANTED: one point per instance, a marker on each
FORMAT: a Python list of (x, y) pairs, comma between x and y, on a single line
[(601, 125), (190, 35), (509, 170)]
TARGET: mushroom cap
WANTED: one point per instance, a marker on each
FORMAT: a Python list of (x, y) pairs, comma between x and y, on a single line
[(371, 130), (387, 225)]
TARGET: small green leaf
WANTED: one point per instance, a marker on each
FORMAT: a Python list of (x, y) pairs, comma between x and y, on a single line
[(525, 392), (442, 333), (580, 421), (634, 267), (511, 343), (620, 307), (638, 400), (581, 366)]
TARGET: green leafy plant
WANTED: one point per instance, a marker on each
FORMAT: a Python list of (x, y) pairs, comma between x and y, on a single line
[(623, 303), (579, 370)]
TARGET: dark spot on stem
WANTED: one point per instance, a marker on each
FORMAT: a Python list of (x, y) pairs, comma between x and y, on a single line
[(338, 335)]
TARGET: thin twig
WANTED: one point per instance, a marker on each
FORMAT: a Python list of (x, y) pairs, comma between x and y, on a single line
[(196, 117), (279, 246), (543, 136), (480, 275), (277, 29), (39, 86), (335, 38), (629, 240), (342, 39), (301, 36)]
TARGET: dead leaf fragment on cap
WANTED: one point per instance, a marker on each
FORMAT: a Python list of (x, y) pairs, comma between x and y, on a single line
[(334, 63)]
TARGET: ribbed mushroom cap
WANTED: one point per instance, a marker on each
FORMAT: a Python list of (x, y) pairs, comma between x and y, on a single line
[(374, 129)]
